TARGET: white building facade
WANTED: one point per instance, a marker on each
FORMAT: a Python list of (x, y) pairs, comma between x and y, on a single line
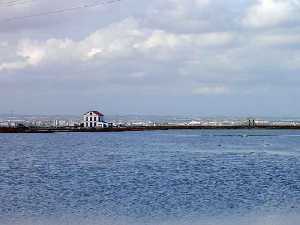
[(94, 119)]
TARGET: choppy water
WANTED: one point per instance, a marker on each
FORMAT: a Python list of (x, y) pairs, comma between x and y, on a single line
[(166, 177)]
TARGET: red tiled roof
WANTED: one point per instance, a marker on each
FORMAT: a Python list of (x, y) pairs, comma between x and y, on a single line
[(96, 112)]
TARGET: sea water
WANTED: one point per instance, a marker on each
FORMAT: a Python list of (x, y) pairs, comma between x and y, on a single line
[(208, 177)]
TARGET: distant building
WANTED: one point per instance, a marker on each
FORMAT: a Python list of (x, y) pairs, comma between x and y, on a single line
[(94, 119), (4, 124)]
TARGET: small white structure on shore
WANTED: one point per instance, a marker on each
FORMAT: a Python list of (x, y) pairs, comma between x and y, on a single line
[(94, 119)]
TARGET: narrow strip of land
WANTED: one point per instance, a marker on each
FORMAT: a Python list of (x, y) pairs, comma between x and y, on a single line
[(142, 128)]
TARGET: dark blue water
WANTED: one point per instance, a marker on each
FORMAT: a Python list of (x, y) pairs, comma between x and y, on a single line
[(166, 177)]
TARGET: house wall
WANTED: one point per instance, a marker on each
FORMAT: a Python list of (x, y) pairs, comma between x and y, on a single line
[(92, 120)]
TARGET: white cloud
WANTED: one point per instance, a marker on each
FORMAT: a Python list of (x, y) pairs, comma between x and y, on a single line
[(267, 13), (3, 44), (294, 61), (277, 39), (94, 52), (163, 39), (32, 53), (119, 40), (211, 90), (6, 66)]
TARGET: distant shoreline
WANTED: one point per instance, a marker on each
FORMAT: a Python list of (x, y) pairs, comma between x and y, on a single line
[(145, 128)]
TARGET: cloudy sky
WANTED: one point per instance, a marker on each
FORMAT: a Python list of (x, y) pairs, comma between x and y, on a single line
[(203, 57)]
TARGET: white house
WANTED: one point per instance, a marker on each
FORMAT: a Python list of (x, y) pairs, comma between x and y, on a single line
[(94, 119)]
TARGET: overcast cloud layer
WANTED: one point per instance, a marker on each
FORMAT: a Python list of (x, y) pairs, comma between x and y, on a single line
[(205, 57)]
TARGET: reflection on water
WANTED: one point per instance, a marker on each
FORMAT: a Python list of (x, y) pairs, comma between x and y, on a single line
[(167, 177)]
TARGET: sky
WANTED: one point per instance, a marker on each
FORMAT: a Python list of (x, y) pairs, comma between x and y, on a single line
[(159, 57)]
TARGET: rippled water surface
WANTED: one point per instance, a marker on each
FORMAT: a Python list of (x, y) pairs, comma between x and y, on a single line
[(165, 177)]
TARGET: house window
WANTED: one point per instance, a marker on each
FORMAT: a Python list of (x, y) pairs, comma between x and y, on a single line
[(91, 124), (91, 118), (86, 119), (95, 124), (95, 118), (86, 124)]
